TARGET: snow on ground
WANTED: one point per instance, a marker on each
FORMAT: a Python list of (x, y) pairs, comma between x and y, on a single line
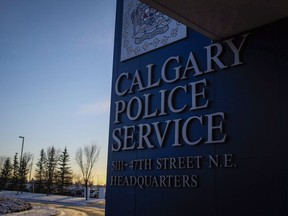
[(10, 204), (38, 211), (52, 198), (44, 210)]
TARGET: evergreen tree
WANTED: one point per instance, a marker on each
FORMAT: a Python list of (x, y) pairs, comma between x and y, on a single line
[(6, 173), (51, 165), (23, 171), (40, 172), (64, 172), (15, 172)]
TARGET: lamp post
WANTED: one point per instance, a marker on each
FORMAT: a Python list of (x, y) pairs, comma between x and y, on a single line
[(21, 137)]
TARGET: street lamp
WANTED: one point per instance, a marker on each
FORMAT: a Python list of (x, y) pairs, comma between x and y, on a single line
[(21, 137)]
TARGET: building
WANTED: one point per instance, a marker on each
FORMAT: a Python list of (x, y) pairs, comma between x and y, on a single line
[(198, 121)]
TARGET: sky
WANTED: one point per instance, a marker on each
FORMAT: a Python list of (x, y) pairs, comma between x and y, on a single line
[(55, 76)]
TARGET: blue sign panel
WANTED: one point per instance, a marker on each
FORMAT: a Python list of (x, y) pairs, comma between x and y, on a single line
[(197, 126)]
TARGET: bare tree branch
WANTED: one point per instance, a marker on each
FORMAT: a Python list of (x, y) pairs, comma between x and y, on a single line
[(86, 164), (2, 159)]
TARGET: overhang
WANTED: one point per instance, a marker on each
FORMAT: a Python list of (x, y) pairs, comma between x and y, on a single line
[(223, 18)]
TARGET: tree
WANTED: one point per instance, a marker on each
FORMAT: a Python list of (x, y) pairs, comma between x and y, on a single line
[(77, 179), (6, 173), (15, 172), (2, 160), (23, 170), (30, 168), (51, 165), (40, 171), (86, 158), (64, 172)]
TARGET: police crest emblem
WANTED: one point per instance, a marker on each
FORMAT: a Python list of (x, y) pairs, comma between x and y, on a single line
[(145, 29)]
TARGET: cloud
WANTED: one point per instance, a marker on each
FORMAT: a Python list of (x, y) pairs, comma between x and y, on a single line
[(95, 108)]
